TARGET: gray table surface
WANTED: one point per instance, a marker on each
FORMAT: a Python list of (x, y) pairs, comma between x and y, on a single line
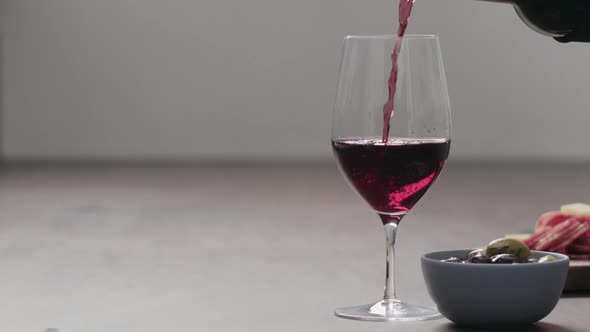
[(243, 247)]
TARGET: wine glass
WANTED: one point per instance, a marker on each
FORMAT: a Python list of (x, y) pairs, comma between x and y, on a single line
[(391, 174)]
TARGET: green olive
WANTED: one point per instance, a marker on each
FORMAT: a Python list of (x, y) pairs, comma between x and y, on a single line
[(546, 259), (475, 253), (508, 246)]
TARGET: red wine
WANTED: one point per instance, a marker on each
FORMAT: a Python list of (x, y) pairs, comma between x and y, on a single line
[(391, 176), (405, 10)]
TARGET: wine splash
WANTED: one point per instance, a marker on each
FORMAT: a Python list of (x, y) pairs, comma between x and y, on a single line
[(405, 10)]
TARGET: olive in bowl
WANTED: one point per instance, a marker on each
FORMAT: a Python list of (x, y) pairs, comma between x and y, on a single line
[(501, 251), (494, 295)]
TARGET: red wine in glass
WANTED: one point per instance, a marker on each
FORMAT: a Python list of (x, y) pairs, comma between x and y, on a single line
[(391, 177)]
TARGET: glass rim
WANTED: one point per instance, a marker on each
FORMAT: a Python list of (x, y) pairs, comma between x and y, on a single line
[(392, 36)]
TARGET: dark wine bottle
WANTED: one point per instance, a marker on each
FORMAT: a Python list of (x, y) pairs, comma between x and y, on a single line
[(564, 20)]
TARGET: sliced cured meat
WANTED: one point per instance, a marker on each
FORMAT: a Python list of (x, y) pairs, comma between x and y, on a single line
[(556, 235), (550, 219), (554, 218), (570, 237)]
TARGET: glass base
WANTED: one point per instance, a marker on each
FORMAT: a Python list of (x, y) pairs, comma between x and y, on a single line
[(388, 311)]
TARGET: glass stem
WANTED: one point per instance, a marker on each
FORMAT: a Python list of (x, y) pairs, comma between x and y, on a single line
[(390, 224)]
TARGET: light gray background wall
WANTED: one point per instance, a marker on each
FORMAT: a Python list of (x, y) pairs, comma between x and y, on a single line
[(255, 79)]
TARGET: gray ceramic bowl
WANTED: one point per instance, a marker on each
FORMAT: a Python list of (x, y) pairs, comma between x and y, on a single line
[(494, 295)]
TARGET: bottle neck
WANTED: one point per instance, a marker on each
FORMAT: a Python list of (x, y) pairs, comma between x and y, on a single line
[(565, 20)]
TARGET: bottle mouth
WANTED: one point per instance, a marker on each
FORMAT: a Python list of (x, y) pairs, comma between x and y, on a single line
[(530, 24)]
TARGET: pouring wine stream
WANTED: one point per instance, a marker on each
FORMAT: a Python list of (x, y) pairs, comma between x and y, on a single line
[(405, 10)]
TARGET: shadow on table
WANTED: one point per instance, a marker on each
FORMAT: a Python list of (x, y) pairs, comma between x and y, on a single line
[(539, 327), (576, 294)]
